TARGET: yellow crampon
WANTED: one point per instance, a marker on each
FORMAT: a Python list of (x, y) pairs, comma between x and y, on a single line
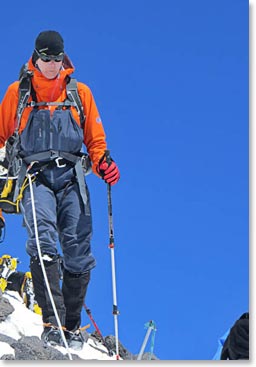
[(8, 265), (37, 309), (9, 261), (27, 294), (3, 284)]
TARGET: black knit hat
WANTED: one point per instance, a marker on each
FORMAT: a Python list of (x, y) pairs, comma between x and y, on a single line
[(50, 43)]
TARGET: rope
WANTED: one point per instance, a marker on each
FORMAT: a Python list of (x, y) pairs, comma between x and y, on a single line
[(43, 268), (9, 177)]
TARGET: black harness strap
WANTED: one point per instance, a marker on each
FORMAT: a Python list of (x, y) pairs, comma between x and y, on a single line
[(24, 94)]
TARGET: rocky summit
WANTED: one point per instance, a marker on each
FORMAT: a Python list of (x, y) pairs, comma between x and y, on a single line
[(20, 331)]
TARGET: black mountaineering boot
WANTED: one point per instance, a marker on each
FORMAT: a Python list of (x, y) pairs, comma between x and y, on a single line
[(52, 336), (74, 289), (51, 333), (74, 339)]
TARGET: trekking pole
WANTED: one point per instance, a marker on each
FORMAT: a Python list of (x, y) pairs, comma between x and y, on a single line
[(88, 311), (151, 326), (43, 268), (152, 344), (2, 227), (2, 236), (112, 249)]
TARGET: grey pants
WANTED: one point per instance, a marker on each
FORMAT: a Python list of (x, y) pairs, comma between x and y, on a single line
[(60, 217)]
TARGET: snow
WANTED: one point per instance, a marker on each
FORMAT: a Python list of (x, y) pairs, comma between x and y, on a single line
[(5, 349), (22, 321)]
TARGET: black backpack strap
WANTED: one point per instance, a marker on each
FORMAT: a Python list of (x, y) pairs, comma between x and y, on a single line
[(73, 96), (13, 142), (24, 91)]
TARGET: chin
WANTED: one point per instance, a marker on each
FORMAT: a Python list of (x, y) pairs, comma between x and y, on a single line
[(51, 76)]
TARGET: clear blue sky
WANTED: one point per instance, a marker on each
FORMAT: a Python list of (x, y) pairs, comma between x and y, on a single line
[(170, 79)]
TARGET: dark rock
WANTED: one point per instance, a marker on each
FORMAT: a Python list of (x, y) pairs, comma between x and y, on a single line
[(147, 356), (7, 357), (6, 339), (5, 308), (123, 352), (32, 348)]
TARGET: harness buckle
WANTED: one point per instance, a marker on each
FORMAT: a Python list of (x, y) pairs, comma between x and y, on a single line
[(58, 164)]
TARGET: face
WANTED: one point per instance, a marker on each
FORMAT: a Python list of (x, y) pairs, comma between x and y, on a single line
[(49, 69)]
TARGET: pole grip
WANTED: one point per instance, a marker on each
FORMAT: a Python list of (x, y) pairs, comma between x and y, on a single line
[(107, 156)]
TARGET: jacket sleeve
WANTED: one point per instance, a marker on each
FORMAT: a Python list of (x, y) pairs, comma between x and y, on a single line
[(94, 134), (8, 109)]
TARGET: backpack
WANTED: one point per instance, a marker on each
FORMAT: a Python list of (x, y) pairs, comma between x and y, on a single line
[(236, 345), (10, 191), (14, 280)]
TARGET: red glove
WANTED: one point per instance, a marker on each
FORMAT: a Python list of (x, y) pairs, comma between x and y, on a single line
[(109, 172)]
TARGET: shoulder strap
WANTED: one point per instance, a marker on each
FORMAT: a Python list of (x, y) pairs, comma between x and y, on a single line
[(12, 145), (24, 91), (73, 96)]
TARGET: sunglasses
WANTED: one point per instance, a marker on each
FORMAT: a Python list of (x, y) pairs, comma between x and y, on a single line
[(47, 58)]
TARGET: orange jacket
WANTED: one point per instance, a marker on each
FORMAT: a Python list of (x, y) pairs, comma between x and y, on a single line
[(54, 90)]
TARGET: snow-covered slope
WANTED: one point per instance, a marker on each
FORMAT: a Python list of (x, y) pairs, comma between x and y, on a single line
[(23, 322)]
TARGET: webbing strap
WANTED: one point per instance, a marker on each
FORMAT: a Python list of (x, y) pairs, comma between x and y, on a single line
[(24, 93), (82, 188), (50, 155), (65, 103), (26, 90), (73, 96)]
